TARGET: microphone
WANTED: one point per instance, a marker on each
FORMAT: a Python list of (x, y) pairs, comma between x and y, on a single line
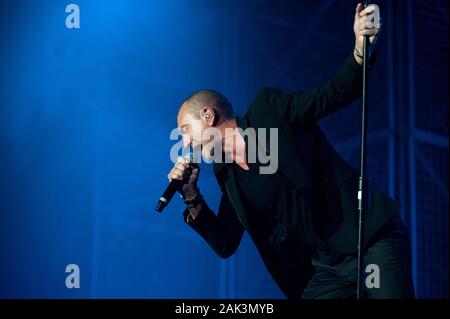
[(173, 186)]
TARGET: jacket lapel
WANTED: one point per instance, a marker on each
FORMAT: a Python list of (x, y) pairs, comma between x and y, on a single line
[(227, 180), (235, 198)]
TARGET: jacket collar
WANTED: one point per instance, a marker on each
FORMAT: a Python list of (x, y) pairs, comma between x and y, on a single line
[(226, 177)]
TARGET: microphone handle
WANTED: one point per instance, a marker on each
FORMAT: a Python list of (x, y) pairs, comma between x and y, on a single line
[(173, 187), (167, 195)]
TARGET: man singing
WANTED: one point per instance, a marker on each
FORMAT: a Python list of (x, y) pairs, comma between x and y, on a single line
[(303, 216)]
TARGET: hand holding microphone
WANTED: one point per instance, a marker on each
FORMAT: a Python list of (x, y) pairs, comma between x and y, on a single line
[(183, 178)]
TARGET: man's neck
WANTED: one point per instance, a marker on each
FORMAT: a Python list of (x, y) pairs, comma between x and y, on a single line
[(234, 144)]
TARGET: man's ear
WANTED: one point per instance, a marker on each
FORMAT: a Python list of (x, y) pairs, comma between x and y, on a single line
[(208, 113)]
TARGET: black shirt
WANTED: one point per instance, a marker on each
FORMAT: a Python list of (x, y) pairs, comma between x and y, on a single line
[(273, 206)]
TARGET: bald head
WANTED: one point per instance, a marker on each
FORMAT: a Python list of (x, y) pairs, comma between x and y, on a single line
[(208, 98)]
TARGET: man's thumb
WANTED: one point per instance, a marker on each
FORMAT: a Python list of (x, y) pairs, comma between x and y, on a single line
[(359, 8)]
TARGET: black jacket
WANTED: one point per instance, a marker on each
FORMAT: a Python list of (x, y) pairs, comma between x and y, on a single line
[(309, 164)]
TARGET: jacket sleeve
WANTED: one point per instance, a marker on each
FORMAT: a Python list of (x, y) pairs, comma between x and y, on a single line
[(306, 107), (222, 232)]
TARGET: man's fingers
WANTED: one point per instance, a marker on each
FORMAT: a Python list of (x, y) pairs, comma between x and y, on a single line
[(181, 159), (195, 172), (369, 32), (178, 171), (359, 8), (373, 39), (363, 22), (172, 176), (364, 25), (181, 166), (369, 10)]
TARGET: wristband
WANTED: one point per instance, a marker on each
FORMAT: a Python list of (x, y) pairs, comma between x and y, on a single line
[(197, 199)]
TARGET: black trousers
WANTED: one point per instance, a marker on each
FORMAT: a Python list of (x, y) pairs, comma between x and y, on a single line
[(335, 274)]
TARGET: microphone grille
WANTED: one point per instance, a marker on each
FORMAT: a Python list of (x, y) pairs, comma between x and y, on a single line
[(191, 158)]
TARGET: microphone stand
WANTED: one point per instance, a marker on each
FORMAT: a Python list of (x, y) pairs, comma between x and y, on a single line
[(363, 184)]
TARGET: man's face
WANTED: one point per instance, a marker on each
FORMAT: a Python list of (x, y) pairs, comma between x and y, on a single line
[(192, 130)]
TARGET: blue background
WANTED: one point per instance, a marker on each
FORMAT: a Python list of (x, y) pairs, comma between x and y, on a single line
[(85, 117)]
